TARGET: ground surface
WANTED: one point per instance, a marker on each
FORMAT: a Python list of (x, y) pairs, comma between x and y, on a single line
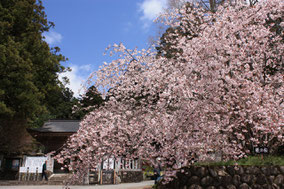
[(140, 185)]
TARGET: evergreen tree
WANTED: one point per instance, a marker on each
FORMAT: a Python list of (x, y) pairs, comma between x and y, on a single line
[(88, 102), (28, 70)]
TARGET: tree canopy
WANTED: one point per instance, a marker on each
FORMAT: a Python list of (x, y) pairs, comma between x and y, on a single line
[(214, 95), (91, 100), (29, 68)]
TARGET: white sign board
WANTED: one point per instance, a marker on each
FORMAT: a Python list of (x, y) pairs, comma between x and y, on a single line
[(35, 164), (35, 169), (23, 169), (35, 161)]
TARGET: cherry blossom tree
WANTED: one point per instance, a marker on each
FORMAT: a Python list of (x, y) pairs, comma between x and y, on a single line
[(223, 92)]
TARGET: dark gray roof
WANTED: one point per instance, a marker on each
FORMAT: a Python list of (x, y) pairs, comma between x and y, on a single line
[(59, 126)]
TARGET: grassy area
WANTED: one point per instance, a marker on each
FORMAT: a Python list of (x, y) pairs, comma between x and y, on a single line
[(250, 160)]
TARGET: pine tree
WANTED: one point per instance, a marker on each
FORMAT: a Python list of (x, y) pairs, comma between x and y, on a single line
[(28, 69)]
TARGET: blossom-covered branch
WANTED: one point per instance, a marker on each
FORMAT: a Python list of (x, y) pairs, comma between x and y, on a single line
[(215, 94)]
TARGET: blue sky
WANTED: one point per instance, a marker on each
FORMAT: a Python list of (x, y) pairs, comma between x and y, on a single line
[(83, 29)]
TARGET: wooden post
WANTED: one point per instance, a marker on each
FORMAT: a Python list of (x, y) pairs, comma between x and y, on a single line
[(25, 176), (28, 174), (101, 182), (114, 176), (36, 173)]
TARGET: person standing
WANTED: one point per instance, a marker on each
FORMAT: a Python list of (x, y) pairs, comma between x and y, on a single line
[(157, 173), (44, 171)]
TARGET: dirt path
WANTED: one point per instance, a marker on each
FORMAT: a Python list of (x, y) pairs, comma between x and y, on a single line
[(140, 185)]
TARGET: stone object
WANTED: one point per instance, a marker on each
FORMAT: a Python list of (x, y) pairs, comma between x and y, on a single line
[(244, 186), (230, 177), (207, 181), (231, 187), (194, 186), (279, 180), (194, 180)]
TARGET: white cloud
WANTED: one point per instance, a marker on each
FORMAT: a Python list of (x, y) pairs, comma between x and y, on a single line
[(77, 77), (150, 10), (52, 37)]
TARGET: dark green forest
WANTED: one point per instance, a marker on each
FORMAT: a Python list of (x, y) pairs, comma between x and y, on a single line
[(30, 90)]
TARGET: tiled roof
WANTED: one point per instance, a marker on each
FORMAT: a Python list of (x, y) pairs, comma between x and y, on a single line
[(59, 126)]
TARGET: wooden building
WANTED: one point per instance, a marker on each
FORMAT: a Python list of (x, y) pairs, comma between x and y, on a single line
[(54, 133)]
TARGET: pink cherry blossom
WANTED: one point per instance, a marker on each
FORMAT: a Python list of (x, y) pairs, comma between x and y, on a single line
[(216, 95)]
